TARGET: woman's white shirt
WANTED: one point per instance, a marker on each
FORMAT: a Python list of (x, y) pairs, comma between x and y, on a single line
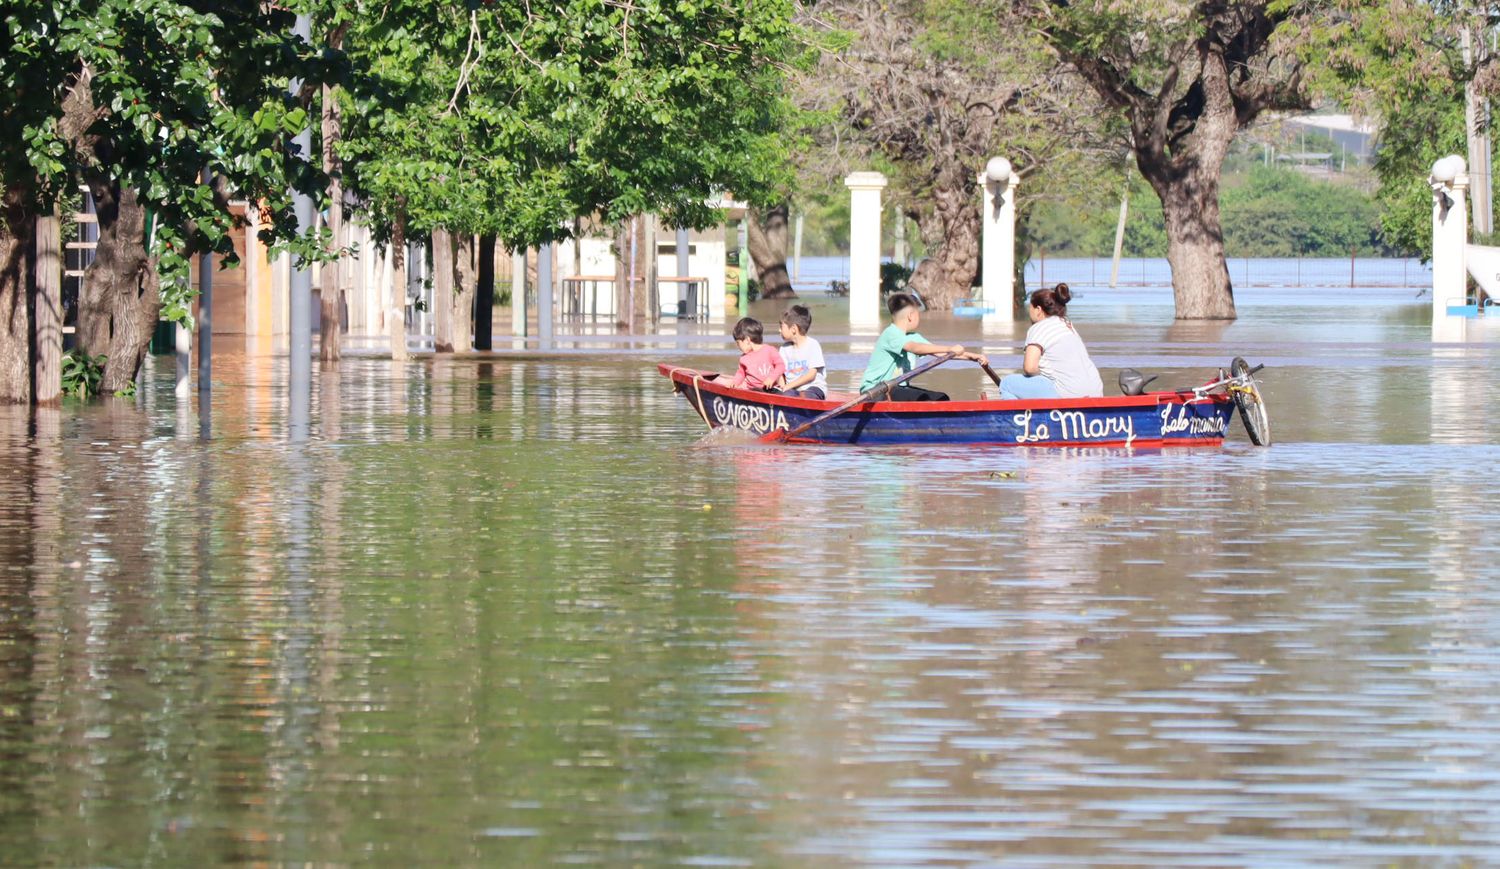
[(1065, 361)]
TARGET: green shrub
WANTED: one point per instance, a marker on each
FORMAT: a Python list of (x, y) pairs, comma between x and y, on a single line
[(893, 278), (81, 374)]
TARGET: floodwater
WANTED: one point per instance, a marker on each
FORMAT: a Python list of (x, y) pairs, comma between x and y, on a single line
[(520, 611)]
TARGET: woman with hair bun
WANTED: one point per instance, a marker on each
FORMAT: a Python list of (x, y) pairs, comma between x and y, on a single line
[(1056, 365)]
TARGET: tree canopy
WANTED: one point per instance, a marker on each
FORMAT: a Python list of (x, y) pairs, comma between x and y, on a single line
[(512, 120)]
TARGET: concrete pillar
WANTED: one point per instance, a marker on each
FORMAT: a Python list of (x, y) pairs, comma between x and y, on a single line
[(864, 248), (998, 234), (1450, 233), (544, 296), (183, 344), (252, 273), (684, 245), (518, 292), (684, 270)]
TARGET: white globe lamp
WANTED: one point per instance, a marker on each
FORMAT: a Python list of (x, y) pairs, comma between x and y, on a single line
[(1446, 170), (998, 170)]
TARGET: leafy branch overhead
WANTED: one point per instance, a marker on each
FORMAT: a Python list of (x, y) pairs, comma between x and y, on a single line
[(512, 120)]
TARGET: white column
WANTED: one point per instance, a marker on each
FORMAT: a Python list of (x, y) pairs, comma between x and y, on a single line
[(184, 345), (864, 248), (998, 237), (1450, 233), (544, 290), (518, 293), (252, 272)]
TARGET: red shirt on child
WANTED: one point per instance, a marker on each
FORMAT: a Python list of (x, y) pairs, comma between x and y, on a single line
[(760, 368)]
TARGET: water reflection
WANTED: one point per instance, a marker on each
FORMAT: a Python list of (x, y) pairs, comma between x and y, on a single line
[(521, 611)]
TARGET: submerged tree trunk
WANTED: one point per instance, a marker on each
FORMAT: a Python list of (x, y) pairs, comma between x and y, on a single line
[(15, 318), (395, 318), (443, 296), (1195, 250), (1210, 86), (768, 241), (1184, 172), (632, 246), (121, 302), (330, 327), (950, 227)]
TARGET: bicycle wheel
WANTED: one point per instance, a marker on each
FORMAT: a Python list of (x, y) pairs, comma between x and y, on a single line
[(1252, 407)]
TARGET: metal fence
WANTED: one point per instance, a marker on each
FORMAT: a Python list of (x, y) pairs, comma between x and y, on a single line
[(1290, 272)]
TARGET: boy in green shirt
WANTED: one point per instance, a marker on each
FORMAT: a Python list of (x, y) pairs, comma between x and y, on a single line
[(897, 349)]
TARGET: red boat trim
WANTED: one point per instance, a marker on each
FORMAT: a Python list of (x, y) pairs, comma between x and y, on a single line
[(685, 377)]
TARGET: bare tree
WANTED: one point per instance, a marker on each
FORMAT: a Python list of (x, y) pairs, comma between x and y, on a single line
[(933, 90)]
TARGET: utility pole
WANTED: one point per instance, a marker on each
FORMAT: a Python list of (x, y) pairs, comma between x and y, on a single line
[(1114, 268), (744, 243), (1477, 122), (205, 329)]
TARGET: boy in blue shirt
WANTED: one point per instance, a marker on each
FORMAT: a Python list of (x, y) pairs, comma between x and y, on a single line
[(900, 344)]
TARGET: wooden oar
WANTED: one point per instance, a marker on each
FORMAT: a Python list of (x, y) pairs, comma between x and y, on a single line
[(871, 394), (991, 372)]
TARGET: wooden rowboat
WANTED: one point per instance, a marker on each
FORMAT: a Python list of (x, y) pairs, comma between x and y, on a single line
[(1194, 417)]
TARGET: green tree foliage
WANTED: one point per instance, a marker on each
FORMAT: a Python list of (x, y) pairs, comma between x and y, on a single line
[(148, 94), (1414, 136), (1267, 212), (1402, 62), (512, 119), (136, 98)]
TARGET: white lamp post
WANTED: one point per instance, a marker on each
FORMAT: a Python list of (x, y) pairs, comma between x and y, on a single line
[(998, 235), (1450, 233), (864, 247)]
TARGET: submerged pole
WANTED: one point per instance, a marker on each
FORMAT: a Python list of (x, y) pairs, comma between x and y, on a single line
[(744, 260), (1114, 268), (205, 320), (182, 341), (544, 296), (299, 290), (484, 296), (518, 292), (797, 248)]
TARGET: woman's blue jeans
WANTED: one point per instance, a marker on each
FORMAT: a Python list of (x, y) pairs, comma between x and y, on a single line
[(1013, 386)]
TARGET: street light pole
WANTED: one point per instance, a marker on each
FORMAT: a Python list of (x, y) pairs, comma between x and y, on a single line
[(299, 295)]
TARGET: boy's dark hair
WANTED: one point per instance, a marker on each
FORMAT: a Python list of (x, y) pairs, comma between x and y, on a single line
[(898, 302), (749, 327), (799, 317)]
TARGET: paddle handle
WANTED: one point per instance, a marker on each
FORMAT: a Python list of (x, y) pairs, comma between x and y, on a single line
[(870, 394), (991, 372)]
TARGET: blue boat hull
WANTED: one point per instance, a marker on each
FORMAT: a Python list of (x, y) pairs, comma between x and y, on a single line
[(1149, 420)]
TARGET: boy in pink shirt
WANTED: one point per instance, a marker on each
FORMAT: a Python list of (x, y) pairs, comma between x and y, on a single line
[(761, 366)]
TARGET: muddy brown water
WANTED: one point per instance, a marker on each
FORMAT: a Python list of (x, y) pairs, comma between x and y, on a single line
[(520, 611)]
